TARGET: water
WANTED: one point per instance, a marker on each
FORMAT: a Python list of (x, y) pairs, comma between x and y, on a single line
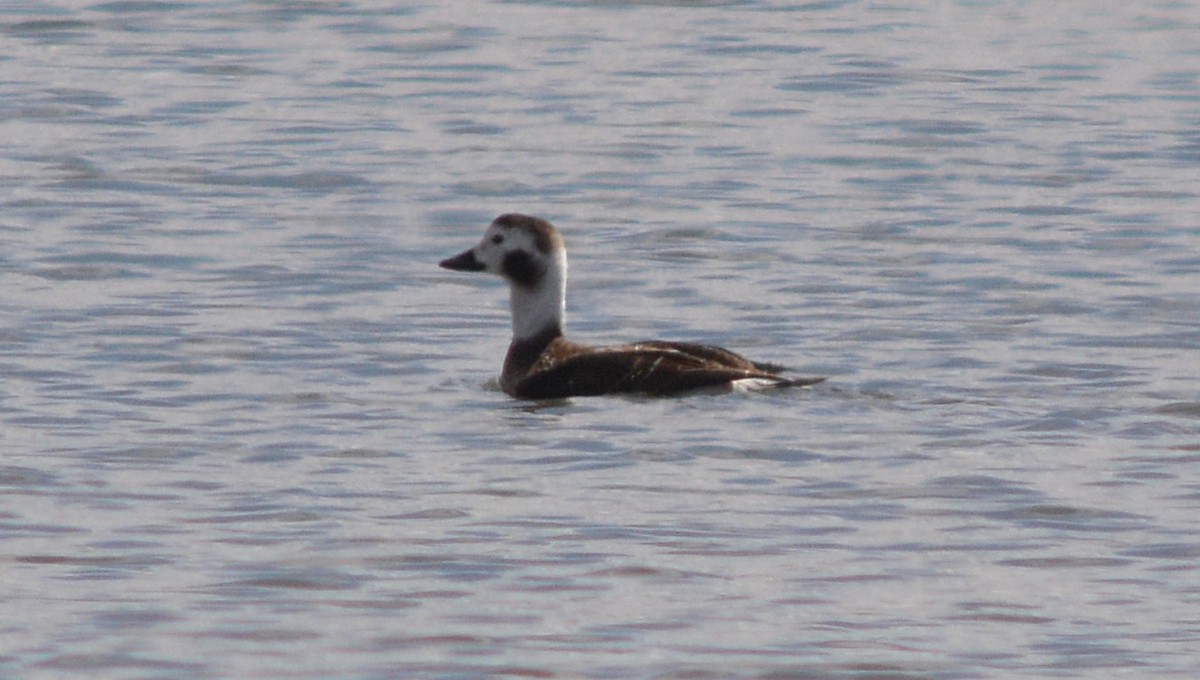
[(251, 430)]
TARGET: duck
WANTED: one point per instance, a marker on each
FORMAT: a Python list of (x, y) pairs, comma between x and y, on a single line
[(541, 363)]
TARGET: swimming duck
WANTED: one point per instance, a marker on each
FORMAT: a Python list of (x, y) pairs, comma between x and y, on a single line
[(528, 252)]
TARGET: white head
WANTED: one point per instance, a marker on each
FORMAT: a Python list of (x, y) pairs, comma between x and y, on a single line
[(529, 253)]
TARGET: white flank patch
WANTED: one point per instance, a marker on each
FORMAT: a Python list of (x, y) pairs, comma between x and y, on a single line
[(753, 384)]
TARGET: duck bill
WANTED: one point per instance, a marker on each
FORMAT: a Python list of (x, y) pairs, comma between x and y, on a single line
[(463, 262)]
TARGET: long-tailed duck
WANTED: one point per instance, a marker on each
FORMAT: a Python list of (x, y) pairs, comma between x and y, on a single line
[(542, 364)]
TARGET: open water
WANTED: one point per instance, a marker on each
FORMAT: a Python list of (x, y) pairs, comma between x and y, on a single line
[(250, 430)]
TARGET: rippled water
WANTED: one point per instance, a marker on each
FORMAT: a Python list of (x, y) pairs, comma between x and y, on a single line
[(251, 430)]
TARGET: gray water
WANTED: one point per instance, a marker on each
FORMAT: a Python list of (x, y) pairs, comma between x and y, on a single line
[(250, 430)]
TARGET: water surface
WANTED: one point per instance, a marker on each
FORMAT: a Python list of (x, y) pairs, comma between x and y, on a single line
[(251, 430)]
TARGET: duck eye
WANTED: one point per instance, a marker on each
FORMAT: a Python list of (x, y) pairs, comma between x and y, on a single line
[(497, 239)]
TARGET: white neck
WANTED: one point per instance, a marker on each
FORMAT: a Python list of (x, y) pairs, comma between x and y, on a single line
[(536, 309)]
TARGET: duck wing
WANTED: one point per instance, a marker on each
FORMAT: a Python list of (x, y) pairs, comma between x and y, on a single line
[(718, 356), (649, 367)]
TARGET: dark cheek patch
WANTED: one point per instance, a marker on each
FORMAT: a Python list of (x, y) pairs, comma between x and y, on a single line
[(521, 268)]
